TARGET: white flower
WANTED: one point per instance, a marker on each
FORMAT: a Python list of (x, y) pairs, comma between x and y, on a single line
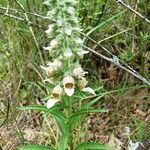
[(53, 43), (73, 2), (71, 10), (57, 63), (82, 83), (69, 86), (79, 72), (51, 102), (52, 67), (82, 52), (49, 70), (50, 28), (89, 90), (48, 48), (68, 54), (57, 92), (79, 41), (59, 22), (68, 30), (56, 96)]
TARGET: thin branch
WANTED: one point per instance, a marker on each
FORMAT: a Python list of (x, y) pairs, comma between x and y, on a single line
[(23, 20), (134, 11), (115, 61), (109, 37), (12, 16), (116, 58), (31, 13)]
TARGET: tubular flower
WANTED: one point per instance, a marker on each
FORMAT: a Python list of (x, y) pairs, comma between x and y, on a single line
[(68, 53), (57, 92), (52, 67), (57, 64), (82, 83), (79, 72), (50, 29), (54, 43), (56, 96), (49, 70), (69, 86)]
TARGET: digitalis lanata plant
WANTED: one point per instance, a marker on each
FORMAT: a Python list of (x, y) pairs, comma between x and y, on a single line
[(64, 71), (66, 77)]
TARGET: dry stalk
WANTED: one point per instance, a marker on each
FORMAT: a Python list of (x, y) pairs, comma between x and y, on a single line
[(133, 10)]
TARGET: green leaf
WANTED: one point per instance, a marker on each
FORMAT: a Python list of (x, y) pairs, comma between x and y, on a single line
[(59, 115), (103, 23), (34, 147), (81, 112), (88, 110), (93, 146), (40, 108), (63, 128), (92, 102)]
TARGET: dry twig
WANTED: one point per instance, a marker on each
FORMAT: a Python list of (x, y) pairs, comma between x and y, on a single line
[(134, 11)]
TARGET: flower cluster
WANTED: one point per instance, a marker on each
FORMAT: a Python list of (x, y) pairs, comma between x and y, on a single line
[(64, 70)]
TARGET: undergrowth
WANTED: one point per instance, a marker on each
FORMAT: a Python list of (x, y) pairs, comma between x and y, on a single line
[(121, 100)]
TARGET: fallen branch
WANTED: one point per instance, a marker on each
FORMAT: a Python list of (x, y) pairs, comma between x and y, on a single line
[(134, 11), (115, 60)]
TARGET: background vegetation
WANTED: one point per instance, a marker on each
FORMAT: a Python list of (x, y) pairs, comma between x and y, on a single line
[(116, 28)]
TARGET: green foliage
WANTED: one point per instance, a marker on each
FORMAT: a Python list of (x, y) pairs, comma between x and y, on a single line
[(93, 146), (141, 133), (34, 147), (21, 57), (91, 12)]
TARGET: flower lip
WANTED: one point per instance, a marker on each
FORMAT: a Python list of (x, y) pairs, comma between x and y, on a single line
[(51, 103), (89, 90), (69, 92), (68, 83)]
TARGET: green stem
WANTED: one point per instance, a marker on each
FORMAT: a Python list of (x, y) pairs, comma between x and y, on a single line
[(69, 124)]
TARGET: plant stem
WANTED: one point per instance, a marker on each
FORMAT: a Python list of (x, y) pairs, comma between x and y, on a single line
[(69, 124)]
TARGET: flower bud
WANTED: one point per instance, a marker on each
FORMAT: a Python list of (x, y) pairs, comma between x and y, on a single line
[(57, 92), (79, 72), (82, 83)]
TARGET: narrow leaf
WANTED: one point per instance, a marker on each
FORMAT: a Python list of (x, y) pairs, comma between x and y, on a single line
[(81, 112), (34, 147), (93, 146)]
